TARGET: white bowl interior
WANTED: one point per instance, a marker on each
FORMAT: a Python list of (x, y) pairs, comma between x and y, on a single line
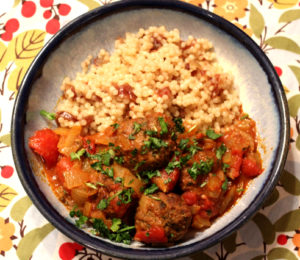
[(250, 79)]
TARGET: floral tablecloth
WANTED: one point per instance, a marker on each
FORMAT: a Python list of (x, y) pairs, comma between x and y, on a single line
[(26, 25)]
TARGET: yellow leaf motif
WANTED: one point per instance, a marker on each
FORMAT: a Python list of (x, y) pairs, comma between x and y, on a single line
[(4, 57), (5, 139), (6, 195), (16, 77), (283, 4), (26, 46)]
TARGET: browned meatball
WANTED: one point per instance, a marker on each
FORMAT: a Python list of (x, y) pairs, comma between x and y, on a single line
[(167, 211), (144, 143)]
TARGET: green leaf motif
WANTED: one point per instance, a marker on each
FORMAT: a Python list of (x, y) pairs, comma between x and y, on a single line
[(230, 243), (256, 21), (281, 253), (6, 196), (31, 240), (290, 183), (296, 71), (266, 228), (283, 43), (294, 105), (289, 16), (288, 222), (298, 142), (91, 4), (5, 139), (16, 2), (19, 209), (272, 198), (201, 255)]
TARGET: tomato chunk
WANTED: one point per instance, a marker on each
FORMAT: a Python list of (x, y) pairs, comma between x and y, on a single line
[(190, 197), (166, 182), (250, 168), (44, 143), (154, 235), (64, 164)]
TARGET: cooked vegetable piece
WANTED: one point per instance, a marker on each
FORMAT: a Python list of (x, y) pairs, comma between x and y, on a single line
[(44, 142)]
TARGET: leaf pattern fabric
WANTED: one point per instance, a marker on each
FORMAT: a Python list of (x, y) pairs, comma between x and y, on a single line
[(26, 26)]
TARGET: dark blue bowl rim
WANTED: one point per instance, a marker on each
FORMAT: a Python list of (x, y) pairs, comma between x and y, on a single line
[(27, 177)]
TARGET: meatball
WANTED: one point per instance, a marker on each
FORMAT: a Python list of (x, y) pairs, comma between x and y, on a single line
[(167, 214), (145, 143)]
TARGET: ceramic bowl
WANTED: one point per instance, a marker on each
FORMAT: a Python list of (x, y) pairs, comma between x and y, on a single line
[(260, 91)]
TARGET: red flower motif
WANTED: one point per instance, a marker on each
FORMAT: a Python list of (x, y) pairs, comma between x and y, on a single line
[(68, 250)]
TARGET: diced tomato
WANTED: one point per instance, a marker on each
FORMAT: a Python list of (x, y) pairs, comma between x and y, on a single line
[(250, 168), (64, 164), (154, 235), (166, 182), (89, 145), (190, 197), (44, 143)]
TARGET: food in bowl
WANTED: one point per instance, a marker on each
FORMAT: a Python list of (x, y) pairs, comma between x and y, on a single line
[(151, 140)]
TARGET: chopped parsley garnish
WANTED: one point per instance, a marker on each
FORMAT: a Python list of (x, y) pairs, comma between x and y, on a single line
[(103, 204), (116, 222), (167, 181), (178, 125), (172, 165), (131, 137), (150, 174), (163, 126), (220, 151), (77, 155), (151, 132), (119, 180), (94, 185), (115, 126), (184, 159), (240, 190), (138, 165), (134, 152), (212, 134), (119, 159), (155, 198), (136, 128), (47, 115), (225, 167), (183, 144), (204, 167), (203, 184), (126, 196), (104, 157), (244, 116), (119, 232), (193, 149), (225, 184), (153, 188), (155, 143), (81, 221)]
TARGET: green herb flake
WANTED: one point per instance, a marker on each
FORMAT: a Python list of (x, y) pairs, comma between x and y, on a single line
[(102, 204), (136, 128), (155, 198), (225, 167), (119, 180), (119, 159), (163, 126), (116, 222), (240, 190), (245, 116), (225, 184), (203, 184), (147, 234), (178, 125), (210, 133), (131, 137), (183, 144), (167, 181), (47, 115), (153, 188), (155, 143), (204, 167), (77, 155), (151, 132), (126, 196), (115, 126), (220, 151), (81, 221)]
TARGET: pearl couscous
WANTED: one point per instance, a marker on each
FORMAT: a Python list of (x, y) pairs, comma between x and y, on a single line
[(153, 70)]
